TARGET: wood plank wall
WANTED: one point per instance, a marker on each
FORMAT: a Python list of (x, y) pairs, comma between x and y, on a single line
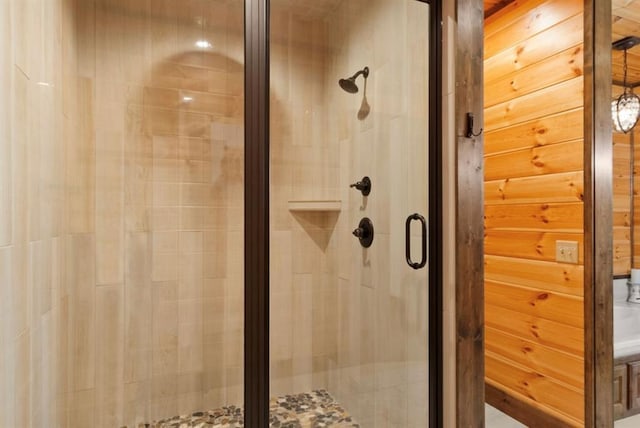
[(622, 198), (534, 196)]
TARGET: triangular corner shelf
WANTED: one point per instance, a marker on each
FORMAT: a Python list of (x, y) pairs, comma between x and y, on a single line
[(317, 205)]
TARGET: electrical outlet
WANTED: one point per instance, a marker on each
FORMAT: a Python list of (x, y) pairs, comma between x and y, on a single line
[(567, 252)]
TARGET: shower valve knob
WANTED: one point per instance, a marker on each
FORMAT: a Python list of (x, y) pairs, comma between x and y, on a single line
[(364, 186), (364, 232)]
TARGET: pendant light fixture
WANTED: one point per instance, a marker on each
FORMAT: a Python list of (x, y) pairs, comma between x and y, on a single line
[(625, 110)]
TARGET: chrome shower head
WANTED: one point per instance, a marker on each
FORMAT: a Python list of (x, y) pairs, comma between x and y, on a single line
[(349, 84)]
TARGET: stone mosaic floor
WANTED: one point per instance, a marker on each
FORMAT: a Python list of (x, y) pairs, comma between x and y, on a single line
[(308, 410)]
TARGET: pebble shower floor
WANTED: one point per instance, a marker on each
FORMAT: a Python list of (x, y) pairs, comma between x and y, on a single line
[(307, 410)]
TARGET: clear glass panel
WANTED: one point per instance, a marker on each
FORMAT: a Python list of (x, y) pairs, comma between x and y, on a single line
[(121, 210), (349, 325)]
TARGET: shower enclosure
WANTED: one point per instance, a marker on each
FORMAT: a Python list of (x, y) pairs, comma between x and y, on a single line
[(223, 212)]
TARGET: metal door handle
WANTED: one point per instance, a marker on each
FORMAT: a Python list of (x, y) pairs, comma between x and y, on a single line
[(423, 261)]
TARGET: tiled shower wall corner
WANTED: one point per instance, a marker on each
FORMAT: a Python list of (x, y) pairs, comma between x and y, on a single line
[(169, 156), (168, 195), (38, 116), (304, 166), (121, 240)]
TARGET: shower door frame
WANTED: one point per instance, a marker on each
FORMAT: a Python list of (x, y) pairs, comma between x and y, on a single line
[(256, 229)]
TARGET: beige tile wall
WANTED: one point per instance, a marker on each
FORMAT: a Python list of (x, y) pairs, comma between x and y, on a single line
[(33, 291), (169, 200), (380, 371), (360, 330), (121, 206), (304, 166)]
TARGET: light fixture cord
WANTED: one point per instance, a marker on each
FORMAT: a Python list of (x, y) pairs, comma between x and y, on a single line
[(624, 82)]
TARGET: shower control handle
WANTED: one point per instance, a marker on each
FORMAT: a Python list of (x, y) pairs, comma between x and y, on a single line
[(364, 232), (364, 186)]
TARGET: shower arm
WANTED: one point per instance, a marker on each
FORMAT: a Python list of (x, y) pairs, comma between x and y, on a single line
[(364, 72)]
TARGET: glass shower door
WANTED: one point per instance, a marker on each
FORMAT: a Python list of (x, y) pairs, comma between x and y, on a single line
[(162, 93), (349, 201)]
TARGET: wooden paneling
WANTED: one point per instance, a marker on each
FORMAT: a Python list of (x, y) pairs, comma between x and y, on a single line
[(534, 192), (626, 22), (513, 404), (625, 202), (523, 28), (492, 6), (558, 128), (528, 245), (562, 187), (621, 219), (469, 317), (560, 217), (563, 400), (552, 159), (541, 304), (626, 386), (621, 200), (563, 278), (634, 385), (564, 35), (550, 100), (550, 362), (598, 308), (552, 334), (619, 390), (556, 69)]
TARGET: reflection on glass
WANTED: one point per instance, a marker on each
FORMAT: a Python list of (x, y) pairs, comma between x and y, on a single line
[(121, 210), (348, 323)]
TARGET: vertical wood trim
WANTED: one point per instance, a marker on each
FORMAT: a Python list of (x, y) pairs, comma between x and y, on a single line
[(598, 162), (256, 212), (436, 364), (469, 217)]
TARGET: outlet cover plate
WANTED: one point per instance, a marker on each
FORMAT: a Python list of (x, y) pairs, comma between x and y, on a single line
[(567, 252)]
